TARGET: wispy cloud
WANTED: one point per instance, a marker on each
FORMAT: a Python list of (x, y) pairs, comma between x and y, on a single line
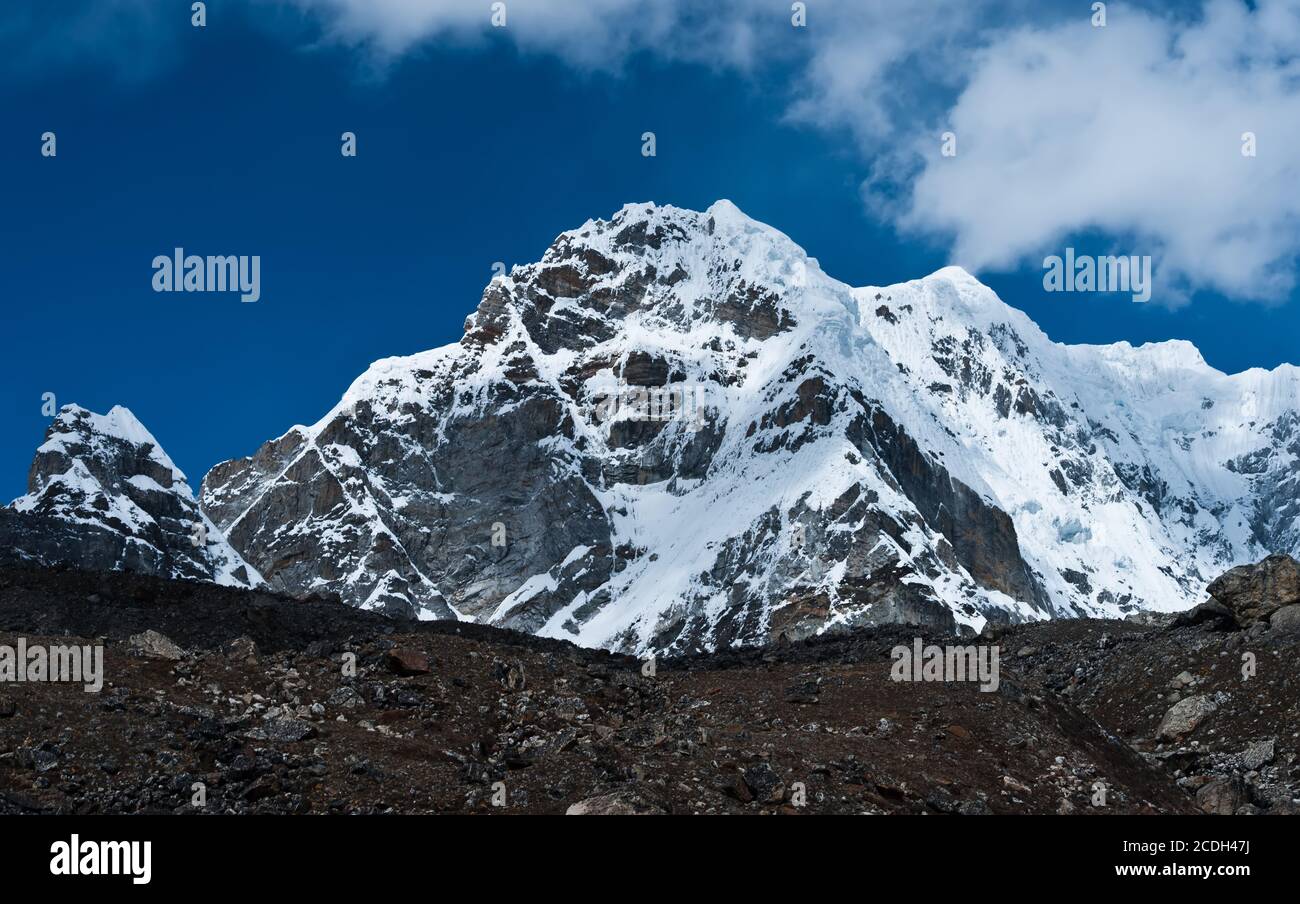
[(590, 34)]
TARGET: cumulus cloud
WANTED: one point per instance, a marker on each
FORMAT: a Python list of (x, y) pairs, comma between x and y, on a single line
[(1134, 130)]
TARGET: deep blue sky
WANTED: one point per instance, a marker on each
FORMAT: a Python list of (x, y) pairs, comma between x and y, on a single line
[(466, 158)]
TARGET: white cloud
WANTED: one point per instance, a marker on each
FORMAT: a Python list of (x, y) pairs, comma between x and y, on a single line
[(1134, 130), (870, 64), (590, 34), (842, 58)]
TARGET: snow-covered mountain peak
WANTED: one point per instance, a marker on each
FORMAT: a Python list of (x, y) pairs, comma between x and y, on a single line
[(103, 494), (677, 266), (78, 433), (962, 286)]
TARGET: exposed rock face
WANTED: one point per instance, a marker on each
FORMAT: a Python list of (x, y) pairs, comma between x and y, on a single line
[(1254, 592), (103, 495), (835, 457)]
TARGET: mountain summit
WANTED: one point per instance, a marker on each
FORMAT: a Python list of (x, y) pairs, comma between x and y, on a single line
[(830, 456)]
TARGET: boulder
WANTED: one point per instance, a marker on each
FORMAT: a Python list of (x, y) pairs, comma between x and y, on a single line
[(511, 675), (242, 648), (1184, 717), (1258, 754), (282, 728), (1286, 620), (1255, 592), (155, 646), (1221, 797), (804, 691), (1218, 616), (764, 784), (617, 803), (404, 661), (734, 786)]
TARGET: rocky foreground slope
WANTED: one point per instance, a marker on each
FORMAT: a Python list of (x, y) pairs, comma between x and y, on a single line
[(244, 701)]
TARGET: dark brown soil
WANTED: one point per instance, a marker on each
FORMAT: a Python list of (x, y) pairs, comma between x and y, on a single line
[(506, 723)]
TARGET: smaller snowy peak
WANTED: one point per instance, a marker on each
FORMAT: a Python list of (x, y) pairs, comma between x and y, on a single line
[(119, 422), (114, 441), (102, 494)]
